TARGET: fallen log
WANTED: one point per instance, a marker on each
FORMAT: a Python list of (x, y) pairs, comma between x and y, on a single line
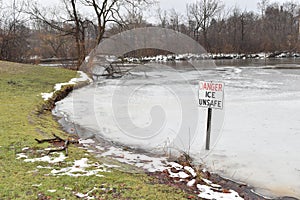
[(59, 140), (52, 140)]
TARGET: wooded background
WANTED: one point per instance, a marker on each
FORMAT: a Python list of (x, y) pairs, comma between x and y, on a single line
[(30, 32)]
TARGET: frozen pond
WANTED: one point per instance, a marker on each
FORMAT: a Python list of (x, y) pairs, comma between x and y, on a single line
[(255, 137)]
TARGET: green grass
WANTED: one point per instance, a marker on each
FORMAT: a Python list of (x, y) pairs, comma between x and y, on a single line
[(21, 123)]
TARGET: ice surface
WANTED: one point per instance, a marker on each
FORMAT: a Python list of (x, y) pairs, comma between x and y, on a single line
[(255, 138)]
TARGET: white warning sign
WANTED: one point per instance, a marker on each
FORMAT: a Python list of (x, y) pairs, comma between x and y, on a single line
[(211, 94)]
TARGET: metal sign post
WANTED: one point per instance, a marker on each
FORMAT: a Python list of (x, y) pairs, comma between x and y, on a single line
[(208, 128), (211, 97)]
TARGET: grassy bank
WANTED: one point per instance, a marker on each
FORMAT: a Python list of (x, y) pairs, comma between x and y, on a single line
[(21, 122)]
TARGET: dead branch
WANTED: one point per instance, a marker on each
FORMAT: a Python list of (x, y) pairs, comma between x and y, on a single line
[(52, 140), (56, 140), (63, 148)]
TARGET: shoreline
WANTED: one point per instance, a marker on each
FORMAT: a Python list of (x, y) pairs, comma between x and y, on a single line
[(216, 56), (245, 191)]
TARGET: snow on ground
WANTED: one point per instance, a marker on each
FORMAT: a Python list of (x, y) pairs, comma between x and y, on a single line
[(79, 169), (21, 156), (82, 78), (83, 167), (176, 171), (189, 56), (151, 164), (208, 192), (61, 157), (87, 141), (87, 195)]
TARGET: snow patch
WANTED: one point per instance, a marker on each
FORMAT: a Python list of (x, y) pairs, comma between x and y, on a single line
[(111, 166), (37, 185), (99, 148), (176, 165), (82, 78), (191, 183), (208, 193), (191, 171), (48, 159), (21, 156), (25, 149), (151, 164), (181, 175), (87, 195), (87, 141), (43, 167), (205, 56), (174, 170), (80, 169)]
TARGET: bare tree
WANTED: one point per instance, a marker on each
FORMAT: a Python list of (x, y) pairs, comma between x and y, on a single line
[(79, 30), (134, 13), (50, 43), (73, 21), (202, 12), (68, 23), (262, 5), (175, 20), (73, 30), (163, 18), (125, 13), (171, 19), (105, 11), (292, 11), (299, 31), (14, 34)]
